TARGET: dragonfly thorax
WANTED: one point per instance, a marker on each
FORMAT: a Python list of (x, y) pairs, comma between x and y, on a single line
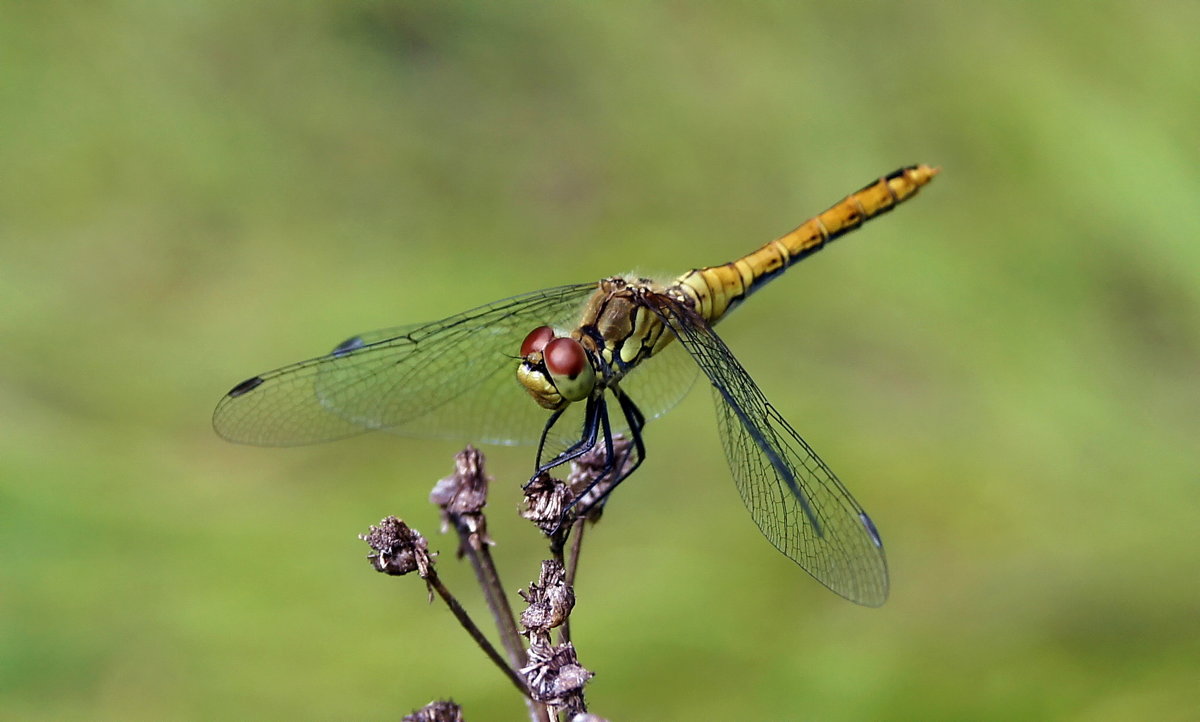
[(620, 326), (616, 332)]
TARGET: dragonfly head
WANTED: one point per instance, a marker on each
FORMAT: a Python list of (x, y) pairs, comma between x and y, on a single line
[(554, 370)]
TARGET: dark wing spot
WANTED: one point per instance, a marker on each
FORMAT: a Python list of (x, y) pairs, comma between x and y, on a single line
[(245, 387), (870, 526), (351, 344)]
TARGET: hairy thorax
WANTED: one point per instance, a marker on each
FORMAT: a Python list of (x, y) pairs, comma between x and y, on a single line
[(619, 329)]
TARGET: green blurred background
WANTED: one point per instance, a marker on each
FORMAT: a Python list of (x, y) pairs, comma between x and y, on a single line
[(1004, 371)]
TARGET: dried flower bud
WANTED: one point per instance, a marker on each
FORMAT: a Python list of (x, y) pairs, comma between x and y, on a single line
[(545, 499), (550, 601), (436, 711), (463, 494), (589, 481), (398, 548), (556, 678)]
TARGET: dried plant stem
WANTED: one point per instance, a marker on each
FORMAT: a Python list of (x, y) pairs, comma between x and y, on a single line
[(480, 556), (572, 564), (468, 624), (462, 497), (478, 553), (576, 547), (548, 676)]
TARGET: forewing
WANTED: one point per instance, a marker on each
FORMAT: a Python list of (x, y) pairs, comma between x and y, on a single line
[(454, 378), (795, 499), (660, 382)]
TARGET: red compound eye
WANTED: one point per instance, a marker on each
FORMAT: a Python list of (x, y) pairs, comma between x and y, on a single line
[(537, 340), (564, 357)]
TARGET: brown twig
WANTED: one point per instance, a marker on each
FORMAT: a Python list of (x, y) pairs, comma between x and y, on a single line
[(462, 496), (549, 676), (399, 550), (572, 565), (468, 624)]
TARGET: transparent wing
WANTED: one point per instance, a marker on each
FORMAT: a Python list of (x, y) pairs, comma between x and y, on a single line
[(659, 382), (454, 378), (796, 500)]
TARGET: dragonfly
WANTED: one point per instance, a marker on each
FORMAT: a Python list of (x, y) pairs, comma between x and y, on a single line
[(636, 342)]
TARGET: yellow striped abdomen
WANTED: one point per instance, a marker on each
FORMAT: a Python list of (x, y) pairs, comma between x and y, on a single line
[(717, 289)]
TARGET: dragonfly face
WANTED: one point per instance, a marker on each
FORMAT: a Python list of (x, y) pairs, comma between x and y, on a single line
[(555, 370), (621, 339)]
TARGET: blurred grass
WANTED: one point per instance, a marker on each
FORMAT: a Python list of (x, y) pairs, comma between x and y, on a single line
[(1004, 371)]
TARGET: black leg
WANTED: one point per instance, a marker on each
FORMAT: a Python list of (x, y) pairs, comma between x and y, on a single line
[(545, 432), (595, 410), (637, 421)]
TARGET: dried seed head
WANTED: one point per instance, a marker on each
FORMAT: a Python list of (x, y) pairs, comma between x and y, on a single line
[(589, 481), (556, 678), (398, 549), (463, 494), (545, 499), (437, 711), (550, 600)]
